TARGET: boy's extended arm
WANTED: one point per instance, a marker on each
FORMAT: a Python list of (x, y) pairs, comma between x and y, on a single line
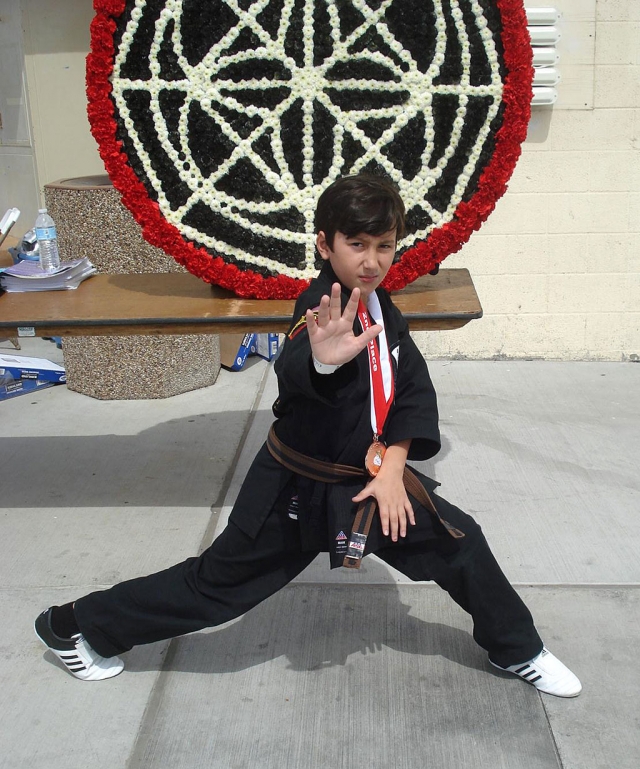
[(388, 489)]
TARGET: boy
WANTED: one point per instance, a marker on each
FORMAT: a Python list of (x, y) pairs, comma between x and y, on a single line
[(355, 402)]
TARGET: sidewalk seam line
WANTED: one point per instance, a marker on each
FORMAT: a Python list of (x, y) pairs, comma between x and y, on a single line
[(138, 749), (218, 504), (556, 747)]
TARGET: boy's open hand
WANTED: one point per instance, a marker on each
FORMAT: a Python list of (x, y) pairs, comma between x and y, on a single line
[(394, 506), (332, 338)]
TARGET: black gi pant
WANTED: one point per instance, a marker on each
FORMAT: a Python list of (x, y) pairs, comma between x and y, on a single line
[(236, 573)]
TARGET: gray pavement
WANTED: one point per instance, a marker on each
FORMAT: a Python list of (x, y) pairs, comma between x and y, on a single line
[(340, 669)]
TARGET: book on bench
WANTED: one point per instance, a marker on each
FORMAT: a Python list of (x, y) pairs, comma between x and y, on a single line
[(28, 276)]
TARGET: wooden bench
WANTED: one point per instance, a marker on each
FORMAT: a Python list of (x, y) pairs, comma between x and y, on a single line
[(179, 303), (106, 320)]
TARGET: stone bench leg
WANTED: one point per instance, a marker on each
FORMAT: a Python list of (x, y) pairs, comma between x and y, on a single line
[(140, 367), (92, 222)]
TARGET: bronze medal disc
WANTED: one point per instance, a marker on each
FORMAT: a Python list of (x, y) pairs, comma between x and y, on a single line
[(374, 457)]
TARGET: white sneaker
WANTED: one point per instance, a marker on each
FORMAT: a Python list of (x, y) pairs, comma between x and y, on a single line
[(547, 674), (76, 654)]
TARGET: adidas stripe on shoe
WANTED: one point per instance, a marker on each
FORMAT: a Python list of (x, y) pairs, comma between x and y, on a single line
[(547, 674), (76, 654)]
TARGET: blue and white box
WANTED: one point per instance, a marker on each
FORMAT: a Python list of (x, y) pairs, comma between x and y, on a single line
[(23, 367), (10, 387), (267, 345)]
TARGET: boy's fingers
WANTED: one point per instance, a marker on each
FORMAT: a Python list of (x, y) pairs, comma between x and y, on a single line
[(397, 523), (402, 522), (318, 317), (371, 333), (352, 306), (335, 305), (393, 524), (393, 519), (323, 311), (384, 520), (312, 328), (364, 494)]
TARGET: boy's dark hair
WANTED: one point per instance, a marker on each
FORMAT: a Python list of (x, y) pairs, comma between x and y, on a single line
[(359, 203)]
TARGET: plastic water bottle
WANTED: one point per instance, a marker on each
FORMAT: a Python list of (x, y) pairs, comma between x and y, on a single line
[(47, 241)]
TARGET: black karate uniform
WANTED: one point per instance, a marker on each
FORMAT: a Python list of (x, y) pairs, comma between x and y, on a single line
[(264, 546)]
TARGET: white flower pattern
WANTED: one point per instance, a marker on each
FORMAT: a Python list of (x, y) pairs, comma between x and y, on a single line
[(394, 91)]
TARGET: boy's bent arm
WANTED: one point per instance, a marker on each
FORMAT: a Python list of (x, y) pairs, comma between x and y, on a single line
[(389, 492)]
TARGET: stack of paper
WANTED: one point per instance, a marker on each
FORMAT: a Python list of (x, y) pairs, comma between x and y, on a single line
[(27, 276)]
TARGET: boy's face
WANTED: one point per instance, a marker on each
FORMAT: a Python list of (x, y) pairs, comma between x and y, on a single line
[(361, 261)]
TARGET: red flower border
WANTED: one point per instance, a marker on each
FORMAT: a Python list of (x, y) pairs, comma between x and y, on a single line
[(416, 261)]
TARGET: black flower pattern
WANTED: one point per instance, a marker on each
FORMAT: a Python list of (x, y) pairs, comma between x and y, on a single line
[(235, 114)]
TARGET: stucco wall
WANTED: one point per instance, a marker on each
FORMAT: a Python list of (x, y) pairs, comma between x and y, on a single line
[(557, 265), (56, 43)]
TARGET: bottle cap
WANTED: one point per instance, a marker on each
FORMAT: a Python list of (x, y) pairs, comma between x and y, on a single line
[(42, 210)]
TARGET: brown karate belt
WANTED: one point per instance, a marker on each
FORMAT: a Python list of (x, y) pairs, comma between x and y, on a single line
[(330, 472)]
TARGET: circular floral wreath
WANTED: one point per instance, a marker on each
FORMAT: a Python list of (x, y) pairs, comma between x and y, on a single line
[(221, 121)]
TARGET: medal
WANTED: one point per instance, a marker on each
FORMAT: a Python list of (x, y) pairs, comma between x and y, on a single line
[(374, 457), (381, 383)]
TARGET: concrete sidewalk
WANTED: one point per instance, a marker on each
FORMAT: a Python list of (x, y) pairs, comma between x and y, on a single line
[(340, 669)]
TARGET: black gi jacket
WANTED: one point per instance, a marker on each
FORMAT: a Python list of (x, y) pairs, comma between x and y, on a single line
[(328, 417)]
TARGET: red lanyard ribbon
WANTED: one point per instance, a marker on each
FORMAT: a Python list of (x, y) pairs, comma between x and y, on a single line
[(379, 364)]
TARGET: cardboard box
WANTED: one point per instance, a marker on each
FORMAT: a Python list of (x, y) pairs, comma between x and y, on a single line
[(235, 349), (10, 388), (20, 367), (267, 345)]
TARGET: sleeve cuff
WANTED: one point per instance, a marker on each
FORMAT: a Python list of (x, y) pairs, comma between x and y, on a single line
[(325, 368)]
